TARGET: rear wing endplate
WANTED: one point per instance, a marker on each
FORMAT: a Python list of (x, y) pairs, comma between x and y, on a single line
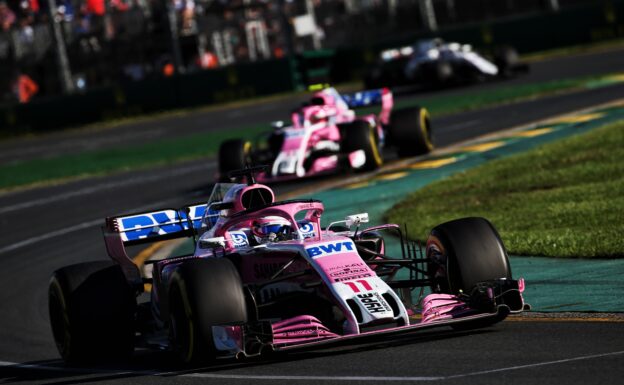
[(132, 229)]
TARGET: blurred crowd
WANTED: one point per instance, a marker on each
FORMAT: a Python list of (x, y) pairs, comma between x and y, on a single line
[(108, 41)]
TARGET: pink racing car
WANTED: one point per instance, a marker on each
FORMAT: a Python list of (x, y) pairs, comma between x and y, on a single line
[(326, 136), (266, 276)]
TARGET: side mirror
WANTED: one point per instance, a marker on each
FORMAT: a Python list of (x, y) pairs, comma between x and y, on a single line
[(218, 206), (356, 219), (278, 124), (212, 243)]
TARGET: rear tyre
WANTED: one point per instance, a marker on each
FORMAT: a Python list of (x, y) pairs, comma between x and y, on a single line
[(506, 59), (443, 72), (410, 131), (92, 309), (464, 252), (203, 293), (360, 135), (234, 154)]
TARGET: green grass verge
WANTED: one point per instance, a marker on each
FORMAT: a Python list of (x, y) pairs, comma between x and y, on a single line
[(204, 145), (121, 159), (562, 199)]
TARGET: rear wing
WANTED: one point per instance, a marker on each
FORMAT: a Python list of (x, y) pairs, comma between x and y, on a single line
[(381, 96), (157, 225), (368, 98), (132, 229)]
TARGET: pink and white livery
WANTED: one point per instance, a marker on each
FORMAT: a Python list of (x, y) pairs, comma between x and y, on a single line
[(327, 136), (267, 276)]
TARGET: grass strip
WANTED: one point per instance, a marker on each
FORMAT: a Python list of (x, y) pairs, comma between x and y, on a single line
[(562, 199), (122, 159), (163, 152)]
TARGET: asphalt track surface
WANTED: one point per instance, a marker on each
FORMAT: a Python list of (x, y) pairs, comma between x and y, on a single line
[(46, 228)]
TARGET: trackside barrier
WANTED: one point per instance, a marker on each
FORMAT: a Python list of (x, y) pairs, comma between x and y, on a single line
[(151, 95), (571, 26)]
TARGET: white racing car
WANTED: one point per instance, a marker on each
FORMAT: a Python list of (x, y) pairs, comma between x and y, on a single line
[(434, 62)]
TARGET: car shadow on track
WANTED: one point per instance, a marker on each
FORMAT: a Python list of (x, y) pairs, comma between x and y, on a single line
[(149, 363)]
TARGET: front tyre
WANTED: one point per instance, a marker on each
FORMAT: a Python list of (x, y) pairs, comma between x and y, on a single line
[(203, 293), (464, 252), (92, 309), (506, 59), (410, 131)]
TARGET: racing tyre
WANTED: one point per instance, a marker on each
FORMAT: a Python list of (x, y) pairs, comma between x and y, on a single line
[(443, 72), (203, 293), (506, 59), (464, 252), (233, 155), (410, 131), (360, 135), (92, 310)]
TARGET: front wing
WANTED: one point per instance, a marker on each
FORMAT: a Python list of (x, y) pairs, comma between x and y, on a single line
[(477, 320)]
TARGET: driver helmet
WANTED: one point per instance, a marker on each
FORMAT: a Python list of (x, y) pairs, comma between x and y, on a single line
[(271, 229)]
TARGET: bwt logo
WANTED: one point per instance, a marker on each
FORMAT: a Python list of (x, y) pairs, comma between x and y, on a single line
[(239, 238), (330, 248), (307, 230), (158, 223)]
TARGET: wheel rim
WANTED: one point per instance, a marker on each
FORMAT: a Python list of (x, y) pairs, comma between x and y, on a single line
[(375, 148), (425, 127)]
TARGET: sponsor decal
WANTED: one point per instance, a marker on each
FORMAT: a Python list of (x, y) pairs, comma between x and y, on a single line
[(158, 223), (358, 285), (307, 230), (342, 279), (374, 303), (294, 133), (350, 271), (330, 248), (239, 238), (347, 266)]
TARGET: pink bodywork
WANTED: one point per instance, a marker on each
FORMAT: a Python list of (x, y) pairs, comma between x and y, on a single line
[(314, 125), (300, 329), (344, 274)]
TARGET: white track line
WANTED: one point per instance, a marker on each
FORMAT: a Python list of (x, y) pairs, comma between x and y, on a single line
[(71, 229), (63, 369), (374, 379), (107, 186), (56, 233), (538, 364), (257, 377)]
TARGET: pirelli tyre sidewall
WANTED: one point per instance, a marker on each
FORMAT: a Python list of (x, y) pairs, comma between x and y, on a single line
[(410, 131), (361, 135), (92, 310), (203, 293), (463, 252)]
